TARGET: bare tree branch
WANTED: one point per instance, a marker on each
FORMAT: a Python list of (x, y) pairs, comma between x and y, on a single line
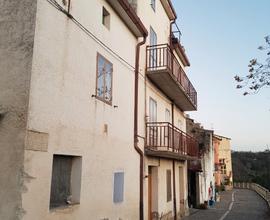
[(259, 73)]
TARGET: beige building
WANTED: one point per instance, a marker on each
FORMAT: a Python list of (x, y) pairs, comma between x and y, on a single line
[(92, 122), (165, 94), (225, 161)]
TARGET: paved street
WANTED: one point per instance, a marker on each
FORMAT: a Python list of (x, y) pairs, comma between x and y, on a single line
[(235, 205)]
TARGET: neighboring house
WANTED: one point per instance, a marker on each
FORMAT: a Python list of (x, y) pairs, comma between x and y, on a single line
[(92, 122), (201, 174), (216, 143), (165, 94), (225, 161)]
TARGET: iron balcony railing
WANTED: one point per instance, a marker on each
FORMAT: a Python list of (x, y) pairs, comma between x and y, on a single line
[(161, 58), (163, 136)]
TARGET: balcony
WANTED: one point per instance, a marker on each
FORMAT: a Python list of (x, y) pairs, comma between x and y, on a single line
[(164, 70), (167, 141)]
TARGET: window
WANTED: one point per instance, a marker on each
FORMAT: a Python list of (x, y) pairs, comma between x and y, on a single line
[(152, 110), (179, 124), (153, 4), (167, 115), (222, 166), (104, 79), (105, 18), (66, 181), (118, 187), (153, 37), (169, 186), (153, 52)]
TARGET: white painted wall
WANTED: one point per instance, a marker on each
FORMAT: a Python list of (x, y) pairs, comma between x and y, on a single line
[(206, 177), (63, 80)]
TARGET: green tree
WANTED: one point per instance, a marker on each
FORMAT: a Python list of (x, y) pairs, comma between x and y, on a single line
[(259, 73)]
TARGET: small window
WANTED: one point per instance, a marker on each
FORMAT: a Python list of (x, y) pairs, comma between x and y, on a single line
[(66, 181), (180, 124), (104, 79), (105, 18), (118, 187), (167, 115), (152, 110), (153, 4), (169, 186)]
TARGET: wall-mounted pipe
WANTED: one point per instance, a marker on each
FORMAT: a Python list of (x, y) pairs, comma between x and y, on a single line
[(173, 167), (140, 152)]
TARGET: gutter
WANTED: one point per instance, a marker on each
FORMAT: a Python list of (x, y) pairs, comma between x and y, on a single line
[(173, 166), (139, 151)]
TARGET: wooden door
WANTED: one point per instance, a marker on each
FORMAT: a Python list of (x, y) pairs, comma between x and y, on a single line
[(149, 193)]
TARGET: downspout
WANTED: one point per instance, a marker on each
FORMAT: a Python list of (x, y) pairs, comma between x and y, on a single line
[(173, 164), (139, 151)]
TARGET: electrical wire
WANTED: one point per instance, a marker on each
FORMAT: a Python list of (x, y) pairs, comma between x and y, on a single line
[(55, 4), (89, 33)]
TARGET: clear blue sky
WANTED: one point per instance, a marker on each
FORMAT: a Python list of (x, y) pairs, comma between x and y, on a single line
[(220, 37)]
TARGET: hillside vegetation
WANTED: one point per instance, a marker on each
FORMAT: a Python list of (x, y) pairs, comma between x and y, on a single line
[(252, 167)]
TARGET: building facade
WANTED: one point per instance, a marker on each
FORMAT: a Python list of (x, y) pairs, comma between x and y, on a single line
[(92, 118), (216, 143), (225, 162), (202, 173)]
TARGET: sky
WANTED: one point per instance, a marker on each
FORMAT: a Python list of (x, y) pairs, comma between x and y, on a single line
[(220, 37)]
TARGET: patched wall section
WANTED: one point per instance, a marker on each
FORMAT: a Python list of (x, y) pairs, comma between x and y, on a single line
[(37, 141), (17, 22)]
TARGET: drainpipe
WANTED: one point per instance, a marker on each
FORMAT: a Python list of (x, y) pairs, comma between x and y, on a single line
[(139, 151), (173, 164)]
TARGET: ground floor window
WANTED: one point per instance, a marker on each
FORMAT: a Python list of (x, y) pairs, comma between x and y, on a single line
[(66, 180)]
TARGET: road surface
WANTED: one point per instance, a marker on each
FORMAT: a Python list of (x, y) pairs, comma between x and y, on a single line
[(238, 204)]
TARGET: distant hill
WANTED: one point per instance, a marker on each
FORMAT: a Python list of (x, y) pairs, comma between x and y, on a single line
[(252, 167)]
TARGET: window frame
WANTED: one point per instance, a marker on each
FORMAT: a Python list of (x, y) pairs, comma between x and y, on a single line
[(167, 115), (74, 174), (153, 5), (151, 115), (169, 185), (108, 16), (96, 93)]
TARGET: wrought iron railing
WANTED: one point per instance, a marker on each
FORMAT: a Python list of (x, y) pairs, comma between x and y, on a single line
[(160, 57), (163, 136)]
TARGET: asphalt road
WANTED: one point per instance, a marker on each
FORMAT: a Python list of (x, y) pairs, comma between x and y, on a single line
[(235, 205)]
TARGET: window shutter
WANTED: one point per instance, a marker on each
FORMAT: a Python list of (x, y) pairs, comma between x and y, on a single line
[(118, 191)]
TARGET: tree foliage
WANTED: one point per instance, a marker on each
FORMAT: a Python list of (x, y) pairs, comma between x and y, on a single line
[(259, 73)]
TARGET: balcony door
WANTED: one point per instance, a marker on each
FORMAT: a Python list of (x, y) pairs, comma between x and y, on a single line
[(153, 129), (153, 51), (167, 131)]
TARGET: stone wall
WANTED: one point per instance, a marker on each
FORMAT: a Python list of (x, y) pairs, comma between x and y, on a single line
[(17, 22)]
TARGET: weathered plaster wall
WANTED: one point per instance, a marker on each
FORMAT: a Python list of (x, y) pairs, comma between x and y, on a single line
[(63, 110), (17, 19)]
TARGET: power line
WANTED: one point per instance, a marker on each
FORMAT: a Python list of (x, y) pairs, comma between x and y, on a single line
[(89, 33), (55, 4)]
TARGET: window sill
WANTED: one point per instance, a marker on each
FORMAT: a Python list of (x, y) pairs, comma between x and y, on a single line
[(64, 208), (102, 100)]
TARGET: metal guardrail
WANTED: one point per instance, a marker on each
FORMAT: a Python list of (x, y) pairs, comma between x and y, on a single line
[(263, 192)]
